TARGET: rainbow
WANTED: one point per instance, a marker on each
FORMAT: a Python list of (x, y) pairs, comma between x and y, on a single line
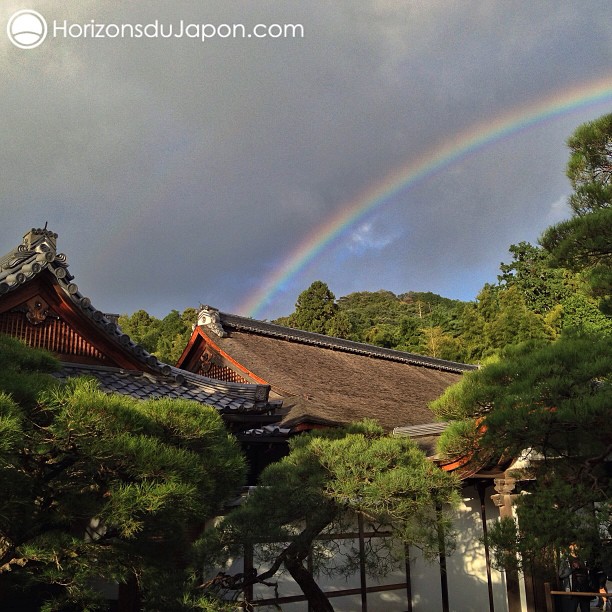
[(458, 147)]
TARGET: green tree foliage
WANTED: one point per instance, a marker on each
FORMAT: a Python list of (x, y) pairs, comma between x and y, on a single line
[(101, 487), (328, 477), (560, 295), (142, 328), (165, 338), (440, 344), (398, 322), (541, 285), (315, 309), (24, 372), (549, 401), (340, 326), (589, 168), (584, 242), (383, 334), (513, 322), (580, 311), (499, 318), (532, 300), (551, 404)]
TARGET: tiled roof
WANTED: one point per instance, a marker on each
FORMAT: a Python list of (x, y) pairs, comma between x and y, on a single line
[(425, 436), (37, 253), (268, 431), (146, 386), (417, 431)]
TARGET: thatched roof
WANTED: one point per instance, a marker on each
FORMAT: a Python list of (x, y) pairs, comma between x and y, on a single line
[(329, 381)]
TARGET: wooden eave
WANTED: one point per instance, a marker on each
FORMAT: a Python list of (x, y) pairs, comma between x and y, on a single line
[(196, 346), (45, 285), (191, 353)]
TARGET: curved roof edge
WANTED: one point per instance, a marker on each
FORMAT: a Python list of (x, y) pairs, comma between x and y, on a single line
[(38, 252)]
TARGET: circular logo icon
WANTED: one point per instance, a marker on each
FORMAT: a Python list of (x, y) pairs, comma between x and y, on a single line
[(26, 29)]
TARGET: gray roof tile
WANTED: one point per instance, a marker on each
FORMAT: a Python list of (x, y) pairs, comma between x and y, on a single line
[(140, 386), (37, 253)]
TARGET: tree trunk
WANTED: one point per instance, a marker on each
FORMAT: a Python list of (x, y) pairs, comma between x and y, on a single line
[(293, 559), (295, 554), (316, 598)]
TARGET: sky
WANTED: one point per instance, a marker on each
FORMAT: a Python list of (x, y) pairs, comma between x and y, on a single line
[(389, 144)]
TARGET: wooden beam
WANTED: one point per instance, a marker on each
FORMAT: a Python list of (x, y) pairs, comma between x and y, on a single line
[(46, 286)]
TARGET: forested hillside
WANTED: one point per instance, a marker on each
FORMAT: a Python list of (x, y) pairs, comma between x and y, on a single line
[(530, 300)]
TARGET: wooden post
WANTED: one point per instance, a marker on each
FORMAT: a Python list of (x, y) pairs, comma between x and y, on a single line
[(408, 578), (481, 486), (362, 565), (443, 570), (503, 500), (129, 596), (247, 569), (310, 566), (548, 598)]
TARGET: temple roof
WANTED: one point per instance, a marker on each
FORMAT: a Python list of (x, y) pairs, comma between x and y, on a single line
[(235, 322), (36, 256), (34, 271), (142, 385), (324, 380)]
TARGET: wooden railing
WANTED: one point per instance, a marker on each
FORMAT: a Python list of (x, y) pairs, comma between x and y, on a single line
[(549, 593)]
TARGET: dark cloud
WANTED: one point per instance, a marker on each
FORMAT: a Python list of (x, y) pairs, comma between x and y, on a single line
[(177, 171)]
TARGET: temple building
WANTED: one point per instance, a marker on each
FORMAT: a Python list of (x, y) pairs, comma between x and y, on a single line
[(41, 304), (321, 381), (269, 383), (326, 382)]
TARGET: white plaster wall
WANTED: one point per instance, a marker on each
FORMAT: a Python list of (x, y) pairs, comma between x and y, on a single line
[(286, 587), (338, 583), (392, 601), (389, 601), (425, 580), (466, 567)]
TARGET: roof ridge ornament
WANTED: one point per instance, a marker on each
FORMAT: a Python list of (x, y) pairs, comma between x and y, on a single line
[(37, 253), (36, 237), (209, 317)]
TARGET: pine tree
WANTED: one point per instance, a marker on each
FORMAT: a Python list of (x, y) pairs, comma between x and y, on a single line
[(101, 487), (550, 403), (584, 242), (329, 477)]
